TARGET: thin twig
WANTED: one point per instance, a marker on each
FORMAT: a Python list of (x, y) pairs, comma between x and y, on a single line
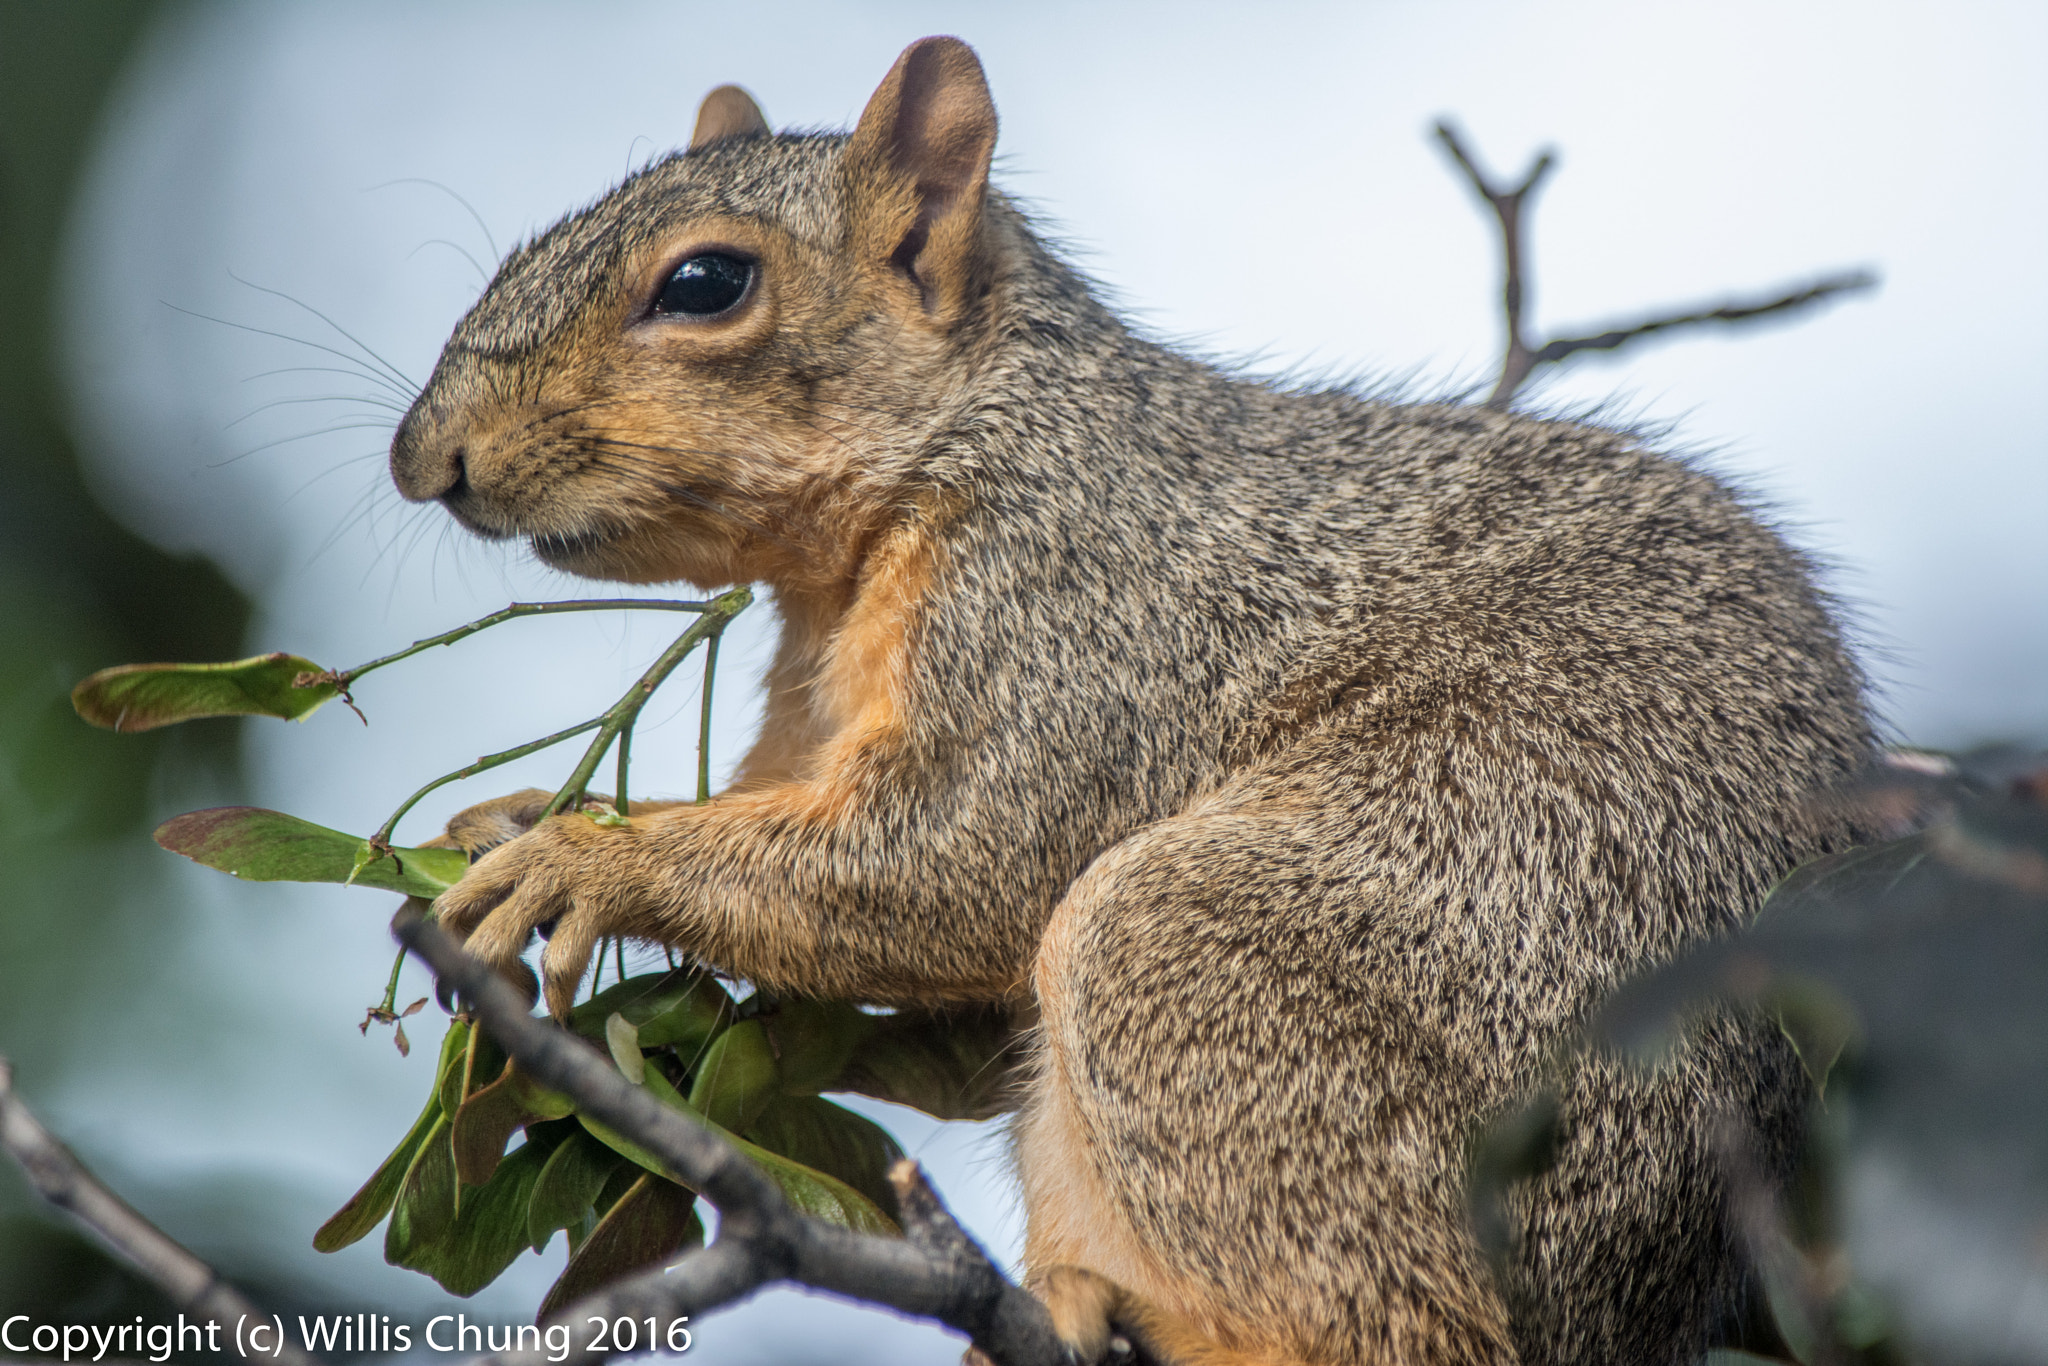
[(60, 1178), (624, 712), (936, 1272), (704, 724), (381, 841), (345, 677), (713, 618), (1519, 359), (1553, 351)]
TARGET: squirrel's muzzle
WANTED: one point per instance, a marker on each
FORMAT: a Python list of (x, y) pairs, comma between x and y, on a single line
[(426, 463)]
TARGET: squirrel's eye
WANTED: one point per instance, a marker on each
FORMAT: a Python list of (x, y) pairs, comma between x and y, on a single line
[(705, 284)]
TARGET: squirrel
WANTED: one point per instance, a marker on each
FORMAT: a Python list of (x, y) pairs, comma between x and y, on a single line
[(1304, 767)]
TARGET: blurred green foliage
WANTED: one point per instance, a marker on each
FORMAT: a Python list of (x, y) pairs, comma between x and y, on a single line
[(77, 591), (1912, 976)]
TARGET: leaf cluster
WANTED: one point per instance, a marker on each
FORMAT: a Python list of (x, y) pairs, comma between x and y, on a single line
[(461, 1207)]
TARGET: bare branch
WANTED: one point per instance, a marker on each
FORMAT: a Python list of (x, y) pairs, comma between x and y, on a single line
[(935, 1272), (1848, 282), (60, 1178), (1518, 358)]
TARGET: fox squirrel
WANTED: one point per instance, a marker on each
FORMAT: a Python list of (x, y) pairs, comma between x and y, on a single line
[(1308, 766)]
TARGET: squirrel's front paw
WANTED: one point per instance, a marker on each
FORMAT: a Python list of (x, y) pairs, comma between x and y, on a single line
[(569, 878)]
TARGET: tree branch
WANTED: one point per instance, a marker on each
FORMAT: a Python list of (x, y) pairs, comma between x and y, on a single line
[(60, 1178), (935, 1272), (1847, 282), (1519, 359)]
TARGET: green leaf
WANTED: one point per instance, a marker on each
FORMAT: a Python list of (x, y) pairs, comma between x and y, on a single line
[(480, 1063), (615, 1187), (657, 1085), (426, 1201), (375, 1199), (737, 1077), (269, 846), (490, 1230), (568, 1186), (951, 1064), (812, 1191), (620, 1144), (485, 1122), (133, 697), (454, 1052), (623, 1039), (683, 1007), (655, 1220), (814, 1040), (814, 1132), (367, 1208), (817, 1193)]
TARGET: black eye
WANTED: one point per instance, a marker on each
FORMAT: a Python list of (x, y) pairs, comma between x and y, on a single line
[(704, 285)]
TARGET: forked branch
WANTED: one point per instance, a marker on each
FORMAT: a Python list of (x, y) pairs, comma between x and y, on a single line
[(1519, 358), (935, 1272)]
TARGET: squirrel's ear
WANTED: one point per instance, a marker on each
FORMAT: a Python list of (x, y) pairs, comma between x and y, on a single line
[(918, 164), (727, 112)]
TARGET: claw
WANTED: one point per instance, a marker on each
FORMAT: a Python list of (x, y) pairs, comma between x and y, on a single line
[(567, 956)]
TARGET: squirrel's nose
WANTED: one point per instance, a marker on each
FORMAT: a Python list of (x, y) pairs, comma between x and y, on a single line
[(425, 464)]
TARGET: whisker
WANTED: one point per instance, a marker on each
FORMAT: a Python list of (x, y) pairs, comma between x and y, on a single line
[(420, 529), (334, 469), (381, 424), (476, 265), (357, 370), (363, 510), (435, 184), (387, 366), (407, 395), (326, 398)]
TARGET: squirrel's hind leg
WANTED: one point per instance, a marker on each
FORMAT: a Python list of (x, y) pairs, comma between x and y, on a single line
[(1224, 1121)]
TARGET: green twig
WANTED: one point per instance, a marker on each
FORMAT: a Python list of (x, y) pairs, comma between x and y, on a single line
[(615, 723), (713, 618), (622, 713), (344, 678), (388, 1008), (382, 839), (625, 751), (704, 724)]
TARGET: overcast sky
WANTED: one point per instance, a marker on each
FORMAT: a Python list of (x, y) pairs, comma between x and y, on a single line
[(1256, 179)]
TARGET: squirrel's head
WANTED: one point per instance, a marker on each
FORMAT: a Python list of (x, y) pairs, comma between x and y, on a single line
[(723, 370)]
